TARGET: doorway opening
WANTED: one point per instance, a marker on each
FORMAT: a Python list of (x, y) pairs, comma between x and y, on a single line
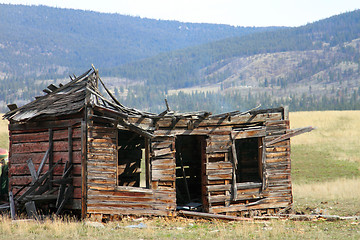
[(190, 154)]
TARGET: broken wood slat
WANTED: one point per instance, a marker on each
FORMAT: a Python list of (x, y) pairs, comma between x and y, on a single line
[(260, 204), (212, 216), (46, 91), (160, 145), (68, 192), (32, 170), (62, 186), (161, 152), (40, 197), (290, 133), (31, 210), (38, 182), (52, 87), (43, 188)]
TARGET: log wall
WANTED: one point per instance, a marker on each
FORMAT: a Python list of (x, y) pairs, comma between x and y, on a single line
[(104, 196), (274, 192), (31, 141)]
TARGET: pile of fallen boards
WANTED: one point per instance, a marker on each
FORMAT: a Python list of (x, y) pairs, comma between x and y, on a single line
[(43, 189)]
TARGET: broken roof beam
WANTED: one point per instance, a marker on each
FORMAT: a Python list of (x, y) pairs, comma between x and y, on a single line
[(140, 131), (52, 87), (290, 133), (12, 106)]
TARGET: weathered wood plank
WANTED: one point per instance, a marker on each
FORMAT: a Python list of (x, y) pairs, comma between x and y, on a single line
[(20, 158), (44, 136), (218, 165), (44, 125), (59, 146), (220, 177)]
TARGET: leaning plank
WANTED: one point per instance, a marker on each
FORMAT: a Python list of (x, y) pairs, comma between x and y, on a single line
[(43, 160), (212, 216), (34, 175), (12, 206), (62, 187), (290, 133)]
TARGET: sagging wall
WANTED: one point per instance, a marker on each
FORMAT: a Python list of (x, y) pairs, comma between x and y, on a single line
[(271, 189), (31, 140)]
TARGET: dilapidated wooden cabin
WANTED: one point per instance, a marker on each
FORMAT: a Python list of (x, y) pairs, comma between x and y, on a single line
[(73, 148)]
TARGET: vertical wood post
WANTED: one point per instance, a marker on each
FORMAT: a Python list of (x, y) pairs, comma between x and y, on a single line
[(51, 155), (12, 205), (83, 168), (70, 145), (147, 162)]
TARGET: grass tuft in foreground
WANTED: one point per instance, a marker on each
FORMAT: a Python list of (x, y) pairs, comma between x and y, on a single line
[(177, 228)]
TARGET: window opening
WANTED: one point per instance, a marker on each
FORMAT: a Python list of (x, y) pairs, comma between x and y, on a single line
[(249, 157), (132, 156)]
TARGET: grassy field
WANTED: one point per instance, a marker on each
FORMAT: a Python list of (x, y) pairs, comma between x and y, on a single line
[(326, 162), (4, 135), (326, 179)]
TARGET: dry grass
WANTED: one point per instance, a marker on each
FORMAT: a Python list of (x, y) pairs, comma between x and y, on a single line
[(177, 228), (338, 197), (337, 132), (4, 134), (326, 162)]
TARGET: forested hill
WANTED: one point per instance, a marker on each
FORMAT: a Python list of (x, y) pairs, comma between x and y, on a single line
[(312, 67), (39, 40), (192, 66)]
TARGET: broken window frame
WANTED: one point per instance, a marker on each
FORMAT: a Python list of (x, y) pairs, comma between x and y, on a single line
[(253, 132), (147, 143)]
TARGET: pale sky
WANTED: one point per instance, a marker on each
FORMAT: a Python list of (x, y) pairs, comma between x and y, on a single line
[(233, 12)]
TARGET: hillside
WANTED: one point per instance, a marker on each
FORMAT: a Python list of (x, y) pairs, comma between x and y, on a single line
[(315, 66), (39, 40)]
